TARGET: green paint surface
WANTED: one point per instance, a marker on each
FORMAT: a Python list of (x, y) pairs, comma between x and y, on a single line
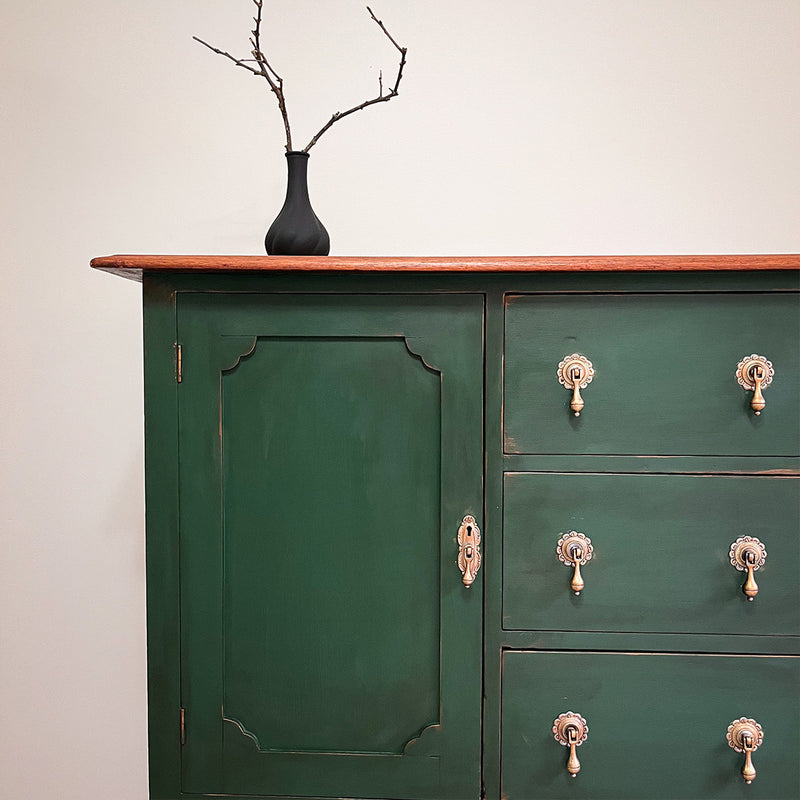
[(664, 373), (657, 725), (329, 449), (331, 574), (661, 553), (306, 480)]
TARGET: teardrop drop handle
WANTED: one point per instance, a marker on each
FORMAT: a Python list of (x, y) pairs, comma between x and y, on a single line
[(748, 770), (745, 736), (574, 549), (577, 583), (758, 403), (576, 404), (575, 372), (573, 765), (755, 373), (748, 554), (570, 729), (750, 587)]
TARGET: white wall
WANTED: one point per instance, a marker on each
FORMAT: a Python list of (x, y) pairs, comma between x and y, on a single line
[(523, 127)]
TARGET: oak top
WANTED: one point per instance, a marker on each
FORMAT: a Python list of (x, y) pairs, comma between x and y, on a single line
[(134, 266)]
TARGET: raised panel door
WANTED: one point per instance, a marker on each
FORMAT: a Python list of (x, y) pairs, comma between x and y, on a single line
[(329, 448)]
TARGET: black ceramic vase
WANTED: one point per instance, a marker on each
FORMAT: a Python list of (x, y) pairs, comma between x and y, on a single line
[(296, 230)]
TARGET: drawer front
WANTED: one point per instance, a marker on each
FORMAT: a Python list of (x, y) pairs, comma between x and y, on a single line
[(664, 374), (657, 725), (661, 553)]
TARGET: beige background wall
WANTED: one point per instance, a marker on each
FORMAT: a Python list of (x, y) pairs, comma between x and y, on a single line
[(524, 127)]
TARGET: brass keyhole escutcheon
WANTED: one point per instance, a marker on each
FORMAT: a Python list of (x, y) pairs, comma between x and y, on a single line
[(575, 372), (755, 373), (745, 736), (469, 551), (748, 554), (574, 549), (570, 729)]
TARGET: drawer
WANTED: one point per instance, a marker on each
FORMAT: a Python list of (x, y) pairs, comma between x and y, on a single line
[(657, 725), (661, 553), (664, 373)]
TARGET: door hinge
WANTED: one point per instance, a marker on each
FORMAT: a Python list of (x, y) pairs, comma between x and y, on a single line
[(183, 726), (178, 363)]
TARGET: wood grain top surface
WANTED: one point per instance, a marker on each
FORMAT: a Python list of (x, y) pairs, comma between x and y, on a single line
[(134, 266)]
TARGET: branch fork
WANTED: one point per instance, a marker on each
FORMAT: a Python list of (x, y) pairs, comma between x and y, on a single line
[(259, 65)]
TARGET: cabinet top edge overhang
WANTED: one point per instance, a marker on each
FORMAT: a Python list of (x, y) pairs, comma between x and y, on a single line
[(134, 266)]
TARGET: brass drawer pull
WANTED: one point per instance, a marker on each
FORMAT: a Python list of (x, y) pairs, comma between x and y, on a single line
[(748, 553), (745, 736), (755, 373), (575, 549), (469, 551), (571, 730), (576, 373)]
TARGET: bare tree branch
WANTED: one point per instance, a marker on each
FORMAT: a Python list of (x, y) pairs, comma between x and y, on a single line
[(264, 69), (240, 62), (273, 79), (383, 28), (256, 42), (260, 66), (381, 98)]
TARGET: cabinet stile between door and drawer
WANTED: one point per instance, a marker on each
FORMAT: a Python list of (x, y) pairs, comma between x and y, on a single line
[(452, 528)]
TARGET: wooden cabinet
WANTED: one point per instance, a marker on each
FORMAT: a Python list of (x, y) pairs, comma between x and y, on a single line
[(318, 431)]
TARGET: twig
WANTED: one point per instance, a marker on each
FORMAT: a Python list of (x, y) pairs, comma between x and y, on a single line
[(381, 98), (264, 70), (240, 62), (273, 79)]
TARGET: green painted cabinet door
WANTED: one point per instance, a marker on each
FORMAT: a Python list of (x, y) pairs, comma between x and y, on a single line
[(657, 726), (330, 446)]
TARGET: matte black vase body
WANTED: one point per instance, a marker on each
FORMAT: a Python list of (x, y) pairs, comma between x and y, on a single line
[(296, 230)]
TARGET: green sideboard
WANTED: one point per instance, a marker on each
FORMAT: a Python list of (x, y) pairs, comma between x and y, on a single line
[(438, 528)]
